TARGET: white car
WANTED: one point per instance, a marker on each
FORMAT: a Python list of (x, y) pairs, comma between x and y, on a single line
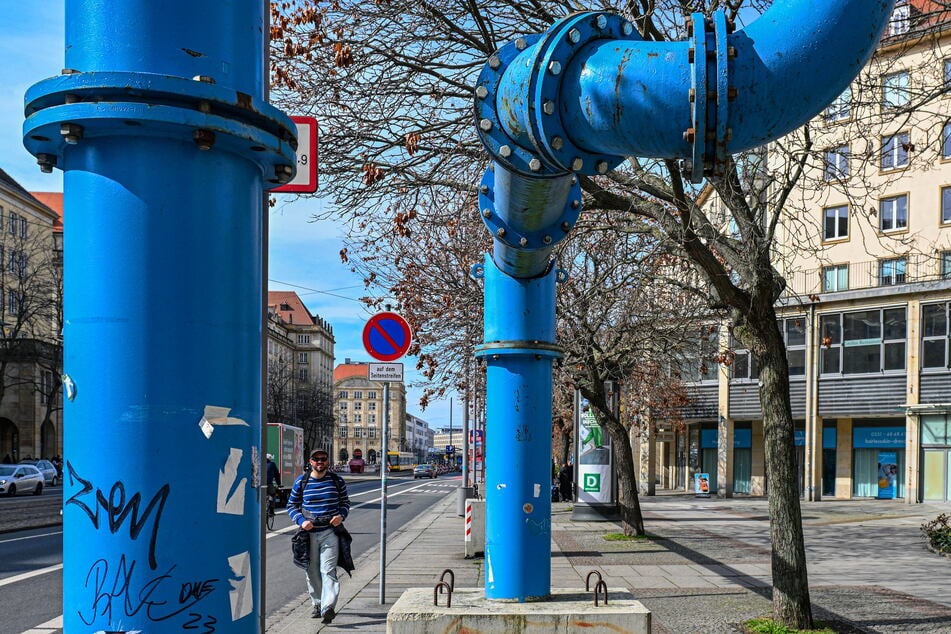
[(47, 468), (20, 478)]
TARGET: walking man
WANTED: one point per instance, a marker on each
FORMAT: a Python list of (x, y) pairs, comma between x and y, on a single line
[(318, 502)]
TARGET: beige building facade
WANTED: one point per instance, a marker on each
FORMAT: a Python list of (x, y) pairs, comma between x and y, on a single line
[(31, 418), (359, 411), (866, 251)]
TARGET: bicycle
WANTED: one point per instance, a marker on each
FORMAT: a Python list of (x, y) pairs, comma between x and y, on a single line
[(269, 513)]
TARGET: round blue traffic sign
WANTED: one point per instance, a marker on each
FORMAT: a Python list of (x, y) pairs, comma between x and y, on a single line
[(387, 336)]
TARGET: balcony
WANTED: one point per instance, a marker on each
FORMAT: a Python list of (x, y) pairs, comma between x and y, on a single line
[(893, 271)]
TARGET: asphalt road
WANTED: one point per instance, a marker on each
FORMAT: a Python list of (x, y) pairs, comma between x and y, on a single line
[(31, 558)]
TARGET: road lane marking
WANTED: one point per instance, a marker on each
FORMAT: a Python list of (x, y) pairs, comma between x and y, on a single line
[(45, 628), (29, 575), (16, 539)]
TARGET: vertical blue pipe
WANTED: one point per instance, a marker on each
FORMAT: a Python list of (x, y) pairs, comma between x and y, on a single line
[(518, 353), (172, 147)]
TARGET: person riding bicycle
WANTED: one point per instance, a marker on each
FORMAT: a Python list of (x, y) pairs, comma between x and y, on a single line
[(273, 477)]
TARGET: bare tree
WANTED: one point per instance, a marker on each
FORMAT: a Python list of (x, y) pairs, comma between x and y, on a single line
[(391, 84)]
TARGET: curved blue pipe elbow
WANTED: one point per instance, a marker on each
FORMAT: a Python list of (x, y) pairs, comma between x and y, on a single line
[(590, 92)]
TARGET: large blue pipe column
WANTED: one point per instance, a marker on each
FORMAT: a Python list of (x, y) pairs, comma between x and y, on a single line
[(167, 145), (579, 99)]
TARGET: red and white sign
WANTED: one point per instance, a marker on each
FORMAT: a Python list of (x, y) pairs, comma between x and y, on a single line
[(305, 181), (387, 336)]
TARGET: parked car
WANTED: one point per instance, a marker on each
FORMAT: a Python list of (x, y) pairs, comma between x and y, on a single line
[(20, 478), (424, 471), (47, 468)]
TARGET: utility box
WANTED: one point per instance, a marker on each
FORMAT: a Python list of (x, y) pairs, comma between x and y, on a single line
[(475, 528)]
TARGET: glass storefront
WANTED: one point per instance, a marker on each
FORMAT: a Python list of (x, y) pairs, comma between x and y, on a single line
[(708, 455), (936, 447), (878, 461), (829, 438), (742, 458)]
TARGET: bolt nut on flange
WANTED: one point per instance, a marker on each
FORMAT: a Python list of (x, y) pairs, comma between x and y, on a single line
[(71, 132), (46, 162), (283, 173), (204, 139), (485, 125), (482, 92), (486, 213)]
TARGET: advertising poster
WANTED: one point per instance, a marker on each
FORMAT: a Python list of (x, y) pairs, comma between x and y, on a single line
[(887, 474), (594, 462), (701, 484)]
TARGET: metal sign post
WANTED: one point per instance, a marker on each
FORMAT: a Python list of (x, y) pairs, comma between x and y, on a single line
[(386, 337)]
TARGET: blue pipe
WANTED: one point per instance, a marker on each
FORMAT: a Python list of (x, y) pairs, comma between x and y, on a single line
[(590, 92), (518, 353), (167, 145), (580, 98)]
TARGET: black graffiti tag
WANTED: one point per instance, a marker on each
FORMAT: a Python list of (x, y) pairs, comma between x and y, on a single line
[(117, 509), (120, 590)]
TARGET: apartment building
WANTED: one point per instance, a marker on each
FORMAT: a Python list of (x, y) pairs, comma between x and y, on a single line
[(419, 437), (300, 357), (866, 252), (359, 407), (31, 267)]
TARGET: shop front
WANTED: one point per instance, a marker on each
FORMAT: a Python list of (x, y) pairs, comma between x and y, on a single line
[(936, 457), (878, 460)]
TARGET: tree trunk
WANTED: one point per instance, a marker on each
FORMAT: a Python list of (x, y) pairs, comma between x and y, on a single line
[(791, 603), (629, 502)]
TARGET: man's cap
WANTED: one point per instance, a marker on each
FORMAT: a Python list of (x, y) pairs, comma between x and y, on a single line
[(319, 451)]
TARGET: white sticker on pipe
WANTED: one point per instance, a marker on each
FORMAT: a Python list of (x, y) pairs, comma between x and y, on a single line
[(230, 489), (216, 416), (241, 591), (538, 490)]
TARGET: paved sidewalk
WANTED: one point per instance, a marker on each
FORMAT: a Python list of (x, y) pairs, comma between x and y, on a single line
[(705, 569)]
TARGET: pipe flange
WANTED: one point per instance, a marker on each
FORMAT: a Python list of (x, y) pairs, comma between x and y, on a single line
[(697, 134), (541, 238), (553, 55), (540, 349), (709, 83), (503, 148), (76, 108)]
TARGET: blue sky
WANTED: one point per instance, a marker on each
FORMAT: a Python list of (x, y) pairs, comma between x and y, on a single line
[(303, 255)]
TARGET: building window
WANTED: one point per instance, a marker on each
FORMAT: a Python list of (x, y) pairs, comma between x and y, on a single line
[(358, 405), (371, 432), (371, 394), (23, 229), (13, 303), (12, 225), (946, 265), (947, 73), (343, 418), (836, 163), (303, 357), (47, 388), (946, 205), (840, 109), (303, 338), (302, 374), (343, 406), (836, 223), (893, 213), (371, 406), (900, 22), (862, 342), (895, 89), (358, 395), (835, 278), (371, 419), (934, 336), (342, 394), (891, 271), (342, 431), (946, 141), (794, 332), (895, 151)]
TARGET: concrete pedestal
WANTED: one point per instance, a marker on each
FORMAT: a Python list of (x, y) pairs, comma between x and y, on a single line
[(568, 610)]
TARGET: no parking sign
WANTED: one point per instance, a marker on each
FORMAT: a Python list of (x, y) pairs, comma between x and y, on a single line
[(387, 336)]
